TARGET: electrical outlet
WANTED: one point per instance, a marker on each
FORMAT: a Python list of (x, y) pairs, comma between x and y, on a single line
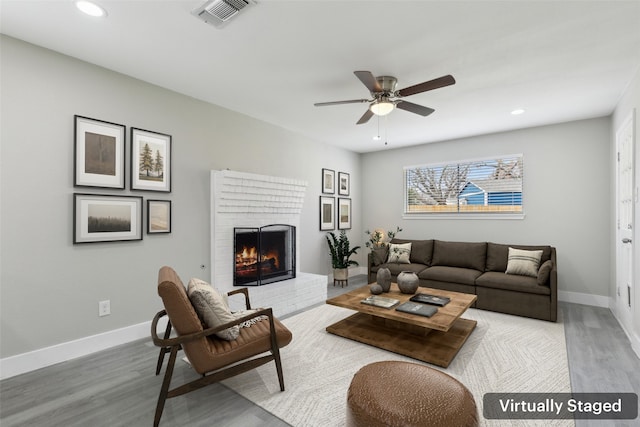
[(104, 308)]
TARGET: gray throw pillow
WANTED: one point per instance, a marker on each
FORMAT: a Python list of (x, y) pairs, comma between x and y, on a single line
[(379, 255), (543, 273)]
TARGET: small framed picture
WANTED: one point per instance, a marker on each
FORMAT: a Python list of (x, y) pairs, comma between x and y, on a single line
[(150, 161), (328, 181), (344, 214), (101, 218), (158, 216), (343, 183), (98, 153), (327, 208)]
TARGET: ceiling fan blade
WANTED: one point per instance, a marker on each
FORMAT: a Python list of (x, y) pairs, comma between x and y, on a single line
[(368, 80), (365, 117), (425, 86), (351, 101), (414, 108)]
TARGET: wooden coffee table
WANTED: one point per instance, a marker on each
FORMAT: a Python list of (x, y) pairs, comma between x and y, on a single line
[(436, 339)]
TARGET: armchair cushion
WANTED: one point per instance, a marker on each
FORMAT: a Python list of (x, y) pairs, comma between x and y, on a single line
[(212, 309)]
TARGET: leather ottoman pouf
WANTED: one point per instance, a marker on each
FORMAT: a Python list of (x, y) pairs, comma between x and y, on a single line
[(394, 393)]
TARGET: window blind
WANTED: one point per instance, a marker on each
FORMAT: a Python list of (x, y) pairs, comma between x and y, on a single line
[(477, 187)]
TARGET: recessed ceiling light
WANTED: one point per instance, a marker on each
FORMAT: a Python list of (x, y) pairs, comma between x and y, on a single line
[(376, 137), (517, 111), (91, 9)]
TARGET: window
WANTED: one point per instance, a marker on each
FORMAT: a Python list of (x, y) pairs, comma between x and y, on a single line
[(489, 186)]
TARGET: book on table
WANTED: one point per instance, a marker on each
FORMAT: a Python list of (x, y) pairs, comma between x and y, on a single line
[(417, 308), (379, 301), (430, 299)]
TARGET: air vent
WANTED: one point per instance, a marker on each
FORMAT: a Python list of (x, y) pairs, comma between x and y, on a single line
[(219, 12)]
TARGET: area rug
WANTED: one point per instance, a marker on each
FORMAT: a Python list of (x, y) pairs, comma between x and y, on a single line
[(503, 354)]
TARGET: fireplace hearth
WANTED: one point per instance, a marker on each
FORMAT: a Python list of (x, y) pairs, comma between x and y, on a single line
[(264, 255)]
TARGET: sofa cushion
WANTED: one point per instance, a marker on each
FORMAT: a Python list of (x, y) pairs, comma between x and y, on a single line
[(511, 282), (459, 254), (421, 250), (523, 263), (498, 254), (544, 272), (465, 276), (379, 255), (396, 268), (212, 309), (399, 252)]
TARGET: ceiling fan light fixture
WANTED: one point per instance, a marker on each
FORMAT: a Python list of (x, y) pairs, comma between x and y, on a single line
[(382, 108), (91, 9)]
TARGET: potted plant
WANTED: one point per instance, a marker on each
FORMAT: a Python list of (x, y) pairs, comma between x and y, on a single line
[(340, 250)]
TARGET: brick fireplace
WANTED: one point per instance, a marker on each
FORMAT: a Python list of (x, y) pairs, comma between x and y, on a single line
[(248, 202)]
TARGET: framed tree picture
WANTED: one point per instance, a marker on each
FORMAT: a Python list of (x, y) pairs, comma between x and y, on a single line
[(158, 216), (328, 181), (98, 153), (343, 183), (102, 218), (344, 214), (327, 208), (150, 161)]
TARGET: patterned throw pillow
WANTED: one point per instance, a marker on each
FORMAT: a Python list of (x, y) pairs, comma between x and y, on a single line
[(399, 253), (523, 263), (212, 309)]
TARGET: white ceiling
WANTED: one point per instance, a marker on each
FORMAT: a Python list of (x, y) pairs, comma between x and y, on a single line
[(559, 60)]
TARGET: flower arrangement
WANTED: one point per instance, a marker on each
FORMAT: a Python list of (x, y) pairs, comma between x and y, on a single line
[(377, 238)]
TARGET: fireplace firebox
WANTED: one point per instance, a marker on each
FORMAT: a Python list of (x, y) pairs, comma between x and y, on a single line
[(264, 255)]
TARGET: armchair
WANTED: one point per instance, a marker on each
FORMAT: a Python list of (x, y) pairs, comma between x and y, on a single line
[(211, 357)]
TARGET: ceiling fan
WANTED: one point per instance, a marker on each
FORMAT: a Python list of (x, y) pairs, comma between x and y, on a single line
[(385, 97)]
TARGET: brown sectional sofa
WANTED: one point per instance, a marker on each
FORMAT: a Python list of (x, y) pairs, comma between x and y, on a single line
[(478, 268)]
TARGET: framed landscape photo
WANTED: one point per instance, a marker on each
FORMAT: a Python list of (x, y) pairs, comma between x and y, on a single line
[(158, 216), (102, 218), (99, 148), (150, 161), (328, 181), (343, 183), (327, 208), (344, 214)]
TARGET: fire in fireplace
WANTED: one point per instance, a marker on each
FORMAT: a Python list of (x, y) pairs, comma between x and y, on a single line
[(264, 255)]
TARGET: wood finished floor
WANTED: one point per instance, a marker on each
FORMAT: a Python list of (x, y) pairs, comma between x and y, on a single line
[(117, 387)]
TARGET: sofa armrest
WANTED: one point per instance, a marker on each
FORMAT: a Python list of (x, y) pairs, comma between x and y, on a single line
[(553, 286)]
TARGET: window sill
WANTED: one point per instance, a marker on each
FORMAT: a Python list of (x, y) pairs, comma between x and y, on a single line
[(516, 216)]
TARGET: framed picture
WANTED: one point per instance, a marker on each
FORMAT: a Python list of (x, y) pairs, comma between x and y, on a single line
[(150, 161), (98, 153), (101, 218), (327, 208), (328, 181), (344, 214), (158, 216), (343, 183)]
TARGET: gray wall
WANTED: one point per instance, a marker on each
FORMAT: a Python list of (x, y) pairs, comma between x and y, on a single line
[(50, 288), (566, 196)]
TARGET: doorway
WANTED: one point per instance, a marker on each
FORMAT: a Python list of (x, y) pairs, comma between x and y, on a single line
[(625, 201)]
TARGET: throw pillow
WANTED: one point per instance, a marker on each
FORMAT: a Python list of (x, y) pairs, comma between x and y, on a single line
[(543, 273), (379, 255), (212, 308), (523, 263), (400, 253)]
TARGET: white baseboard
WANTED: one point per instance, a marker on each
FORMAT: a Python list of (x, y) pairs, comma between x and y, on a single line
[(26, 362), (585, 299), (41, 358)]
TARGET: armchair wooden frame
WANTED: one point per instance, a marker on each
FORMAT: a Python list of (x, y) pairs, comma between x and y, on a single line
[(173, 345)]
